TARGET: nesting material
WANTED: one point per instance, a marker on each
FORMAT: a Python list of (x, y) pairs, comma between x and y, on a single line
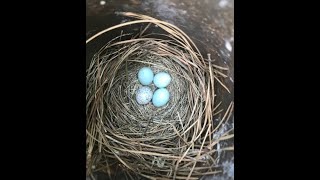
[(173, 141)]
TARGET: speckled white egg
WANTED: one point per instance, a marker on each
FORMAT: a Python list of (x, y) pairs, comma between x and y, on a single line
[(145, 76), (160, 97), (162, 79), (144, 95)]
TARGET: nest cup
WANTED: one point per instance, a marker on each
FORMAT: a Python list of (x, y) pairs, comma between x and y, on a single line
[(171, 142)]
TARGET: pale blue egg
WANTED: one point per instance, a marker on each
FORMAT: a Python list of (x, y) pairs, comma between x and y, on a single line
[(145, 76), (144, 95), (160, 97), (162, 79)]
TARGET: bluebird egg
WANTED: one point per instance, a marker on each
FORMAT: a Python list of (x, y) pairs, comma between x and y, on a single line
[(162, 79), (145, 76), (160, 97), (144, 95)]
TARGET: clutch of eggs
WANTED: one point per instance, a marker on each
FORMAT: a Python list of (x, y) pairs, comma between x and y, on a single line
[(144, 94)]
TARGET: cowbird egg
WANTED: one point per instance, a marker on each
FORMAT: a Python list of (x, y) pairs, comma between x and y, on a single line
[(144, 95)]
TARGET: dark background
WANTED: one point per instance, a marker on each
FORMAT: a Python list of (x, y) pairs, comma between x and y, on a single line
[(44, 81)]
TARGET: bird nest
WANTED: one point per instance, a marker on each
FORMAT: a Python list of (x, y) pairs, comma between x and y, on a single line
[(171, 142)]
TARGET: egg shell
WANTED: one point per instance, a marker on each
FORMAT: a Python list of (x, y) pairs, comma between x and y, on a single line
[(145, 76), (160, 97), (162, 79), (144, 95)]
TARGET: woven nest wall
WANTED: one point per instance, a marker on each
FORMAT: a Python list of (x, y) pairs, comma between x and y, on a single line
[(171, 142)]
